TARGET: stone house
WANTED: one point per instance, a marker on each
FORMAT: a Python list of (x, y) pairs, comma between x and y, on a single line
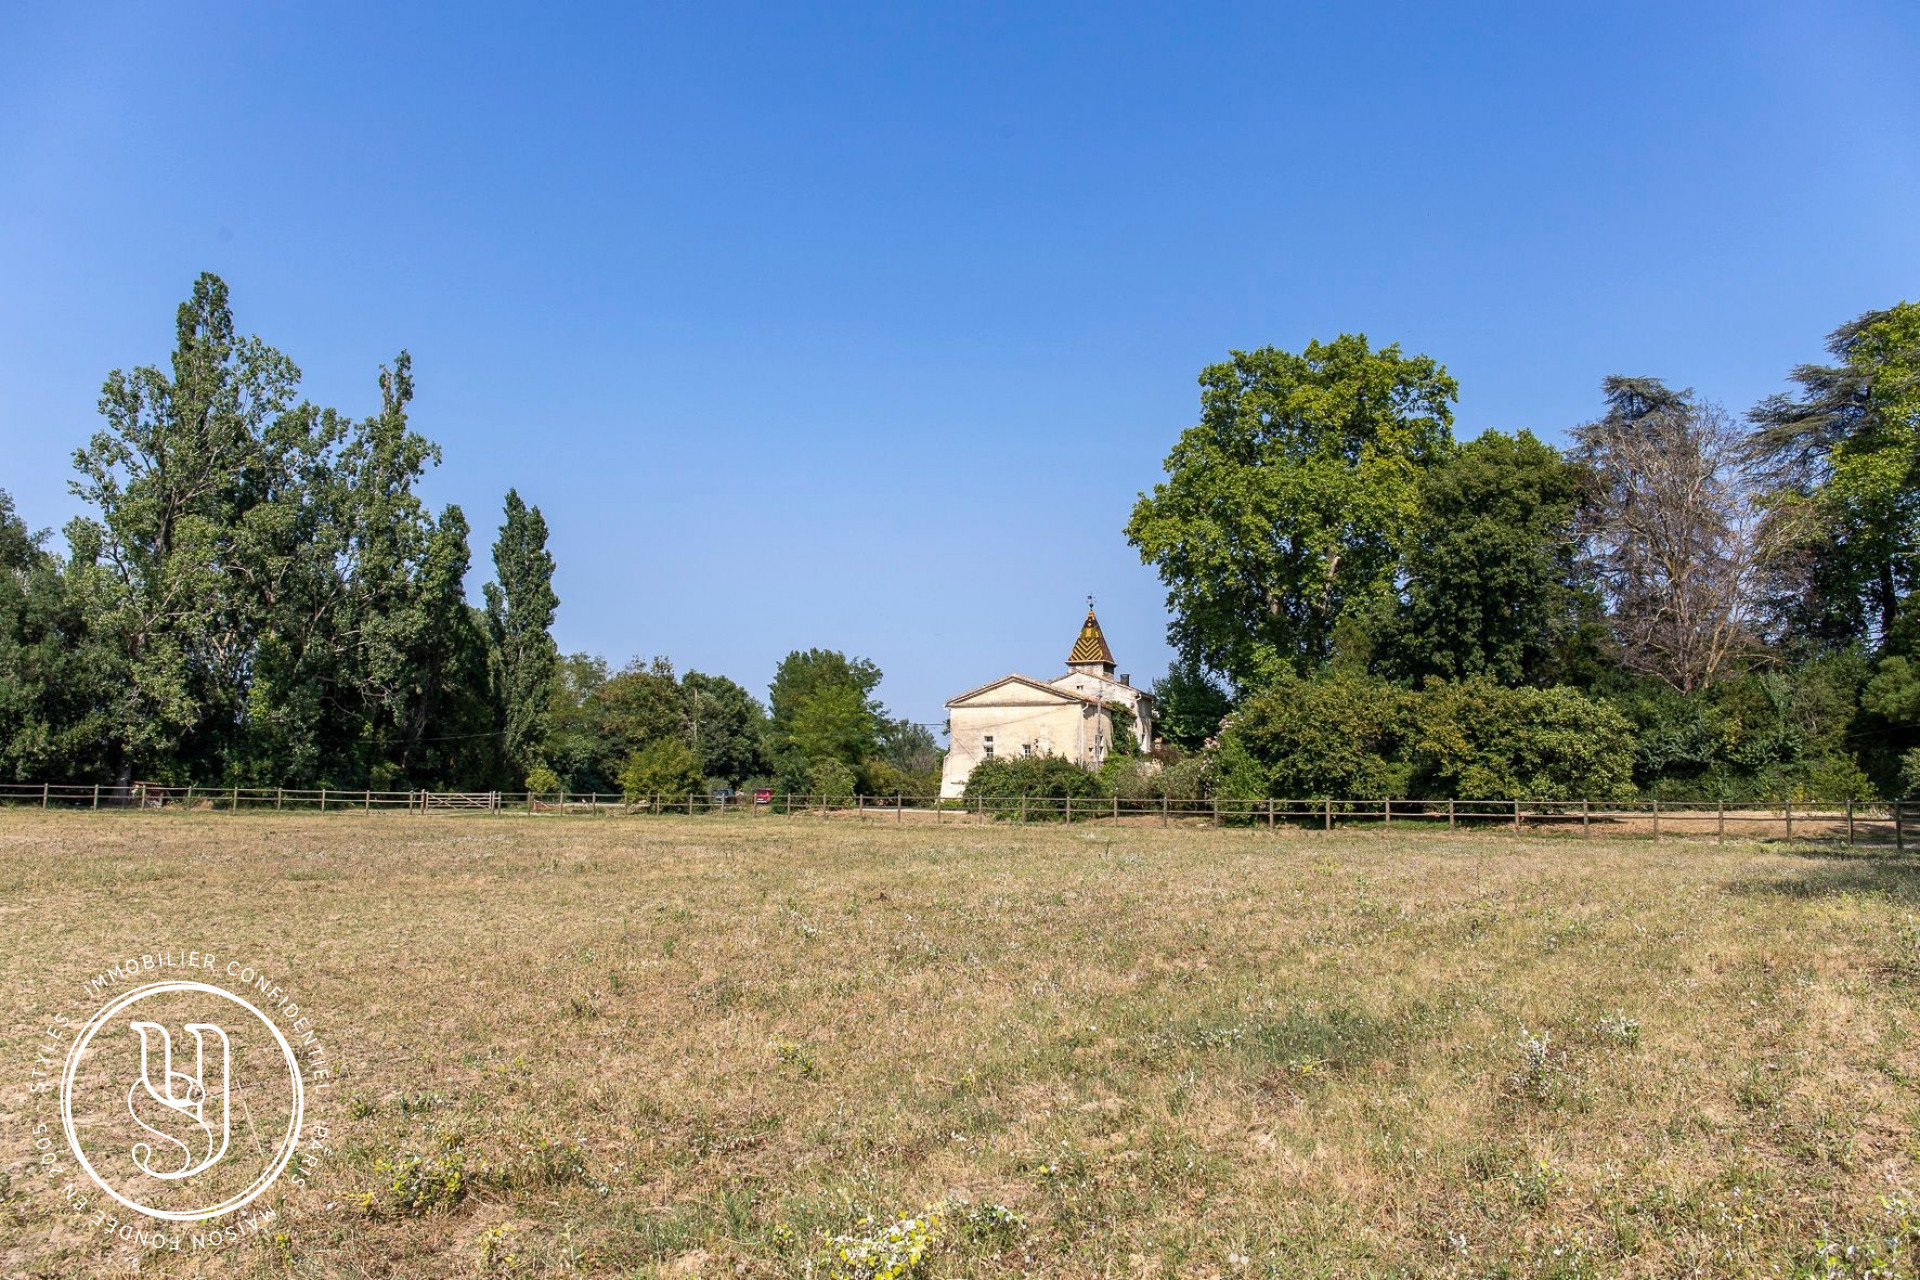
[(1070, 715)]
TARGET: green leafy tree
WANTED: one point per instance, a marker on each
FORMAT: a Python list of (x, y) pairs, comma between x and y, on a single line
[(52, 685), (1287, 505), (171, 476), (665, 767), (574, 748), (822, 708), (727, 727), (909, 747), (1489, 570), (1842, 456), (1188, 705), (906, 761), (520, 609), (642, 704)]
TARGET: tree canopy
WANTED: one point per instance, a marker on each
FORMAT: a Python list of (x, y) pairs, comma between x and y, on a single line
[(1287, 505)]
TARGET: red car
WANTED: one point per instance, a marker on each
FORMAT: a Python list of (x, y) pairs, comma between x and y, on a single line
[(763, 795)]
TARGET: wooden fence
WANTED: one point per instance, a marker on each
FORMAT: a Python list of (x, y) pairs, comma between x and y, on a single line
[(1848, 822)]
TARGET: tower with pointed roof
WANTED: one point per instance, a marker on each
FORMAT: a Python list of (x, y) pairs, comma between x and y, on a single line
[(1071, 715), (1090, 655)]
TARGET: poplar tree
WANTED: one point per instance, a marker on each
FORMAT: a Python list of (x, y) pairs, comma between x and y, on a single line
[(520, 609)]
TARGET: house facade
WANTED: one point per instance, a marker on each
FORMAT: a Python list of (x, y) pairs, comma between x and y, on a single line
[(1071, 715)]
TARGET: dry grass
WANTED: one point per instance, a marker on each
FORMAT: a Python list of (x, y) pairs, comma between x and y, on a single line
[(671, 1046)]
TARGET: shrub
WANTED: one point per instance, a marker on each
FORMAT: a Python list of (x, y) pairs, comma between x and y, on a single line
[(1306, 739), (1478, 741), (831, 779), (665, 766), (1184, 779), (881, 778), (1036, 777), (542, 780)]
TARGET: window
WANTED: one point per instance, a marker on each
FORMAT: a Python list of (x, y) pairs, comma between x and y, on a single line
[(1026, 749), (986, 746)]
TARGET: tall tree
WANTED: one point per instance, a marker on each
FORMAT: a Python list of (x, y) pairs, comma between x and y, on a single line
[(726, 726), (642, 704), (1842, 456), (182, 460), (823, 709), (520, 609), (1489, 568), (574, 749), (1671, 526), (1287, 504), (54, 684)]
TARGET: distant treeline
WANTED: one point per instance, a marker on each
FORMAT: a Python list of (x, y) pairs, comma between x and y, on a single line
[(1680, 603), (257, 596)]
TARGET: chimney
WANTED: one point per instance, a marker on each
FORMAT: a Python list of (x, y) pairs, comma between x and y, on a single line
[(1127, 681)]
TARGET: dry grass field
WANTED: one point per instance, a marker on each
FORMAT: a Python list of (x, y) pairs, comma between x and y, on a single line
[(713, 1047)]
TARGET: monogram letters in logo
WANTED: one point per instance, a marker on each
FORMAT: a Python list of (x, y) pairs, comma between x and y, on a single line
[(184, 1095)]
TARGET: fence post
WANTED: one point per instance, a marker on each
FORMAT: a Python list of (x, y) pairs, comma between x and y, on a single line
[(1386, 809), (1069, 810), (1586, 818), (1656, 817), (236, 801), (367, 806), (1849, 821), (1023, 806), (1216, 811), (1899, 831), (1516, 815), (1116, 808), (44, 788), (323, 798), (1163, 811), (96, 795), (1720, 824), (279, 798), (689, 804), (1789, 819), (1269, 815), (1449, 813), (1327, 823)]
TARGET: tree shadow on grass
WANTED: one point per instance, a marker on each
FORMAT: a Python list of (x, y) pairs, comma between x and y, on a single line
[(1832, 873)]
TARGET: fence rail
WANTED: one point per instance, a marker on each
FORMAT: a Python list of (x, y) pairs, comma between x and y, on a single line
[(1849, 822)]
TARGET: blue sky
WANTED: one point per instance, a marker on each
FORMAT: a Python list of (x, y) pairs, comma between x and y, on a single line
[(863, 328)]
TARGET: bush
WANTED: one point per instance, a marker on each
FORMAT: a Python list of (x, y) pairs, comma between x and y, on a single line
[(665, 766), (1476, 740), (1036, 777), (542, 780), (832, 780), (1300, 739), (881, 778), (1136, 779)]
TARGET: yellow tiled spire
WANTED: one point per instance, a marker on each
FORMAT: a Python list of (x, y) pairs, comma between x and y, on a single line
[(1091, 647)]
